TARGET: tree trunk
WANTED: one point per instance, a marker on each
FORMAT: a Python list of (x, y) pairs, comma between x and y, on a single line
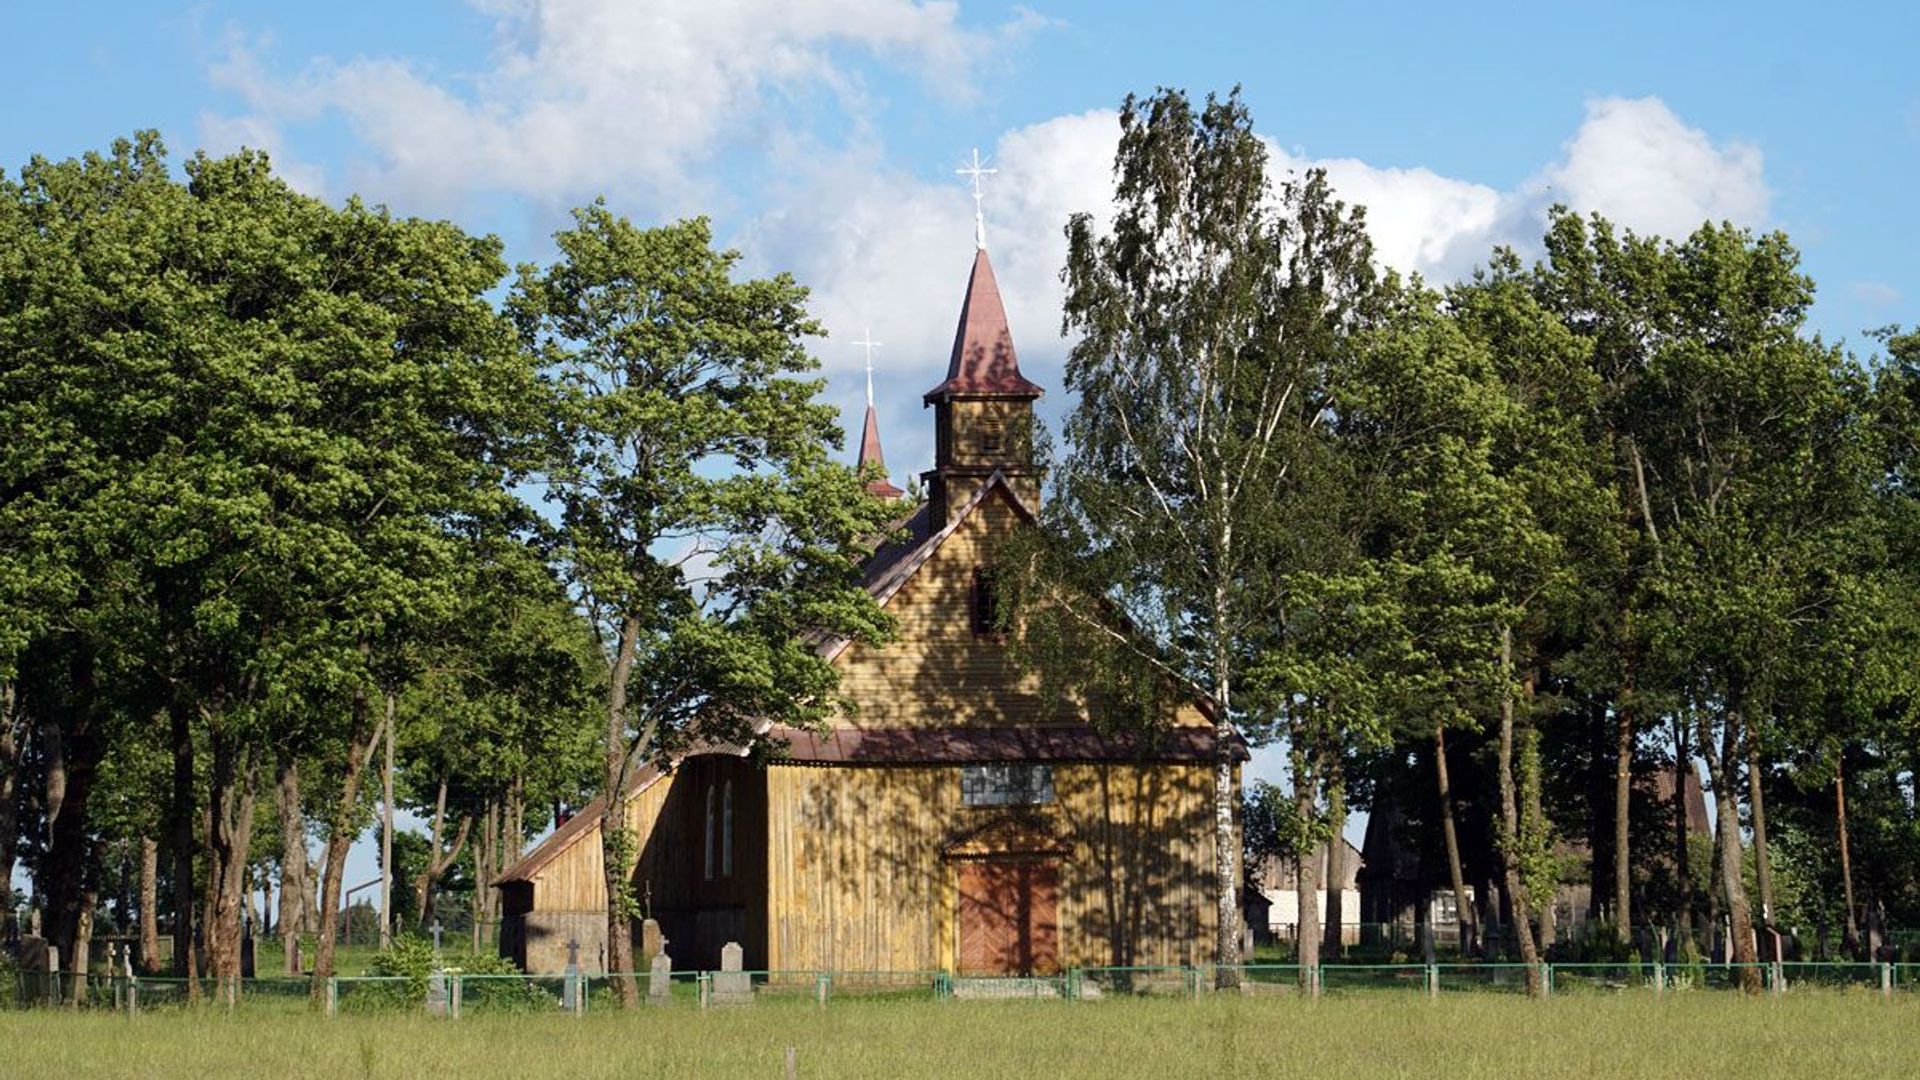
[(1533, 811), (1456, 877), (149, 905), (484, 847), (1305, 784), (294, 887), (340, 835), (615, 843), (386, 836), (79, 961), (1851, 932), (179, 717), (13, 736), (1622, 803), (1682, 831), (1226, 799), (513, 829), (1723, 762), (438, 862), (1511, 839), (1757, 805), (73, 759), (1336, 862), (233, 782)]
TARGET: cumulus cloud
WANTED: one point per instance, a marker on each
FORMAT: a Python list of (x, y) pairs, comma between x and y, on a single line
[(889, 249), (885, 244), (585, 96), (1639, 164)]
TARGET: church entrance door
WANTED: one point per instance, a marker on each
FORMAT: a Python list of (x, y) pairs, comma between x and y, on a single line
[(1009, 917)]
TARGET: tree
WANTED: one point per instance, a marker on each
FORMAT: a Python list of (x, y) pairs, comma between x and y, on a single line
[(1204, 320), (704, 521), (1721, 408)]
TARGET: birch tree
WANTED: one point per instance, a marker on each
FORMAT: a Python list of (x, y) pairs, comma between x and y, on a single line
[(1204, 320)]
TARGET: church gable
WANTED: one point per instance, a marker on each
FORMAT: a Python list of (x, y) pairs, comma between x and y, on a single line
[(946, 665)]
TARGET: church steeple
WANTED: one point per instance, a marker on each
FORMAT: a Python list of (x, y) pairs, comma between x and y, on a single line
[(983, 410), (870, 433), (870, 455)]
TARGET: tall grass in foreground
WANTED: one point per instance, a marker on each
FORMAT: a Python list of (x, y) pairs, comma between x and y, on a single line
[(1690, 1036)]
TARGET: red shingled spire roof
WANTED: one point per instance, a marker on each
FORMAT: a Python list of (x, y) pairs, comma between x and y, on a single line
[(870, 455), (983, 360)]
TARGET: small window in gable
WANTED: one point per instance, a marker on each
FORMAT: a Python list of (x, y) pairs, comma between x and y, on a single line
[(983, 603), (1006, 785)]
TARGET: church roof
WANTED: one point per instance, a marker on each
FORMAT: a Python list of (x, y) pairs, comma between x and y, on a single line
[(870, 455), (983, 361)]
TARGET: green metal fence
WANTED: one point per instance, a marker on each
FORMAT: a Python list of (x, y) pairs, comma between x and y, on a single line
[(453, 993)]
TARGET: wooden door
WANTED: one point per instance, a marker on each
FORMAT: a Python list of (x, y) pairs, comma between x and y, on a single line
[(1009, 917)]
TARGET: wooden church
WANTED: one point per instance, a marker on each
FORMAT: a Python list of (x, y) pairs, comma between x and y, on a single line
[(954, 821)]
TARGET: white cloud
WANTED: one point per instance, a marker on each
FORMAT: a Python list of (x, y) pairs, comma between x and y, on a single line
[(889, 249), (1637, 163), (1873, 294), (585, 96), (1419, 221)]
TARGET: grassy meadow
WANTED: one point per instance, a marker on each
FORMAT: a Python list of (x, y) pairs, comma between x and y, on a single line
[(1468, 1036)]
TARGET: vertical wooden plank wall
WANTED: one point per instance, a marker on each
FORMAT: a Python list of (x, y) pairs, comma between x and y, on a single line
[(858, 880)]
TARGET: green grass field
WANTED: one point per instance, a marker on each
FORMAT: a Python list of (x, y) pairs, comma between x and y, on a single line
[(1683, 1036)]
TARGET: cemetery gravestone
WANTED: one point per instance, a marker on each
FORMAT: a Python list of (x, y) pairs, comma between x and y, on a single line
[(570, 998), (660, 977), (437, 993), (731, 986)]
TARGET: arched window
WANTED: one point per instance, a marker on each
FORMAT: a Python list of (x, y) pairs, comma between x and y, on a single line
[(709, 832), (726, 830)]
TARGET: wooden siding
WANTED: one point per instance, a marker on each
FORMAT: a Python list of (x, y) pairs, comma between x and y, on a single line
[(668, 820), (936, 671), (862, 876)]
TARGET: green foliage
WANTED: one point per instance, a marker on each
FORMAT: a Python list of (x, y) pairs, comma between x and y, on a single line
[(412, 960), (703, 516)]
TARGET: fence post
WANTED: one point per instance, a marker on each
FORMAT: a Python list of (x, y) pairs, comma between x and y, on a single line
[(453, 1006), (1659, 979), (700, 981), (1546, 979), (333, 995), (1433, 980), (133, 997), (1886, 981), (820, 988)]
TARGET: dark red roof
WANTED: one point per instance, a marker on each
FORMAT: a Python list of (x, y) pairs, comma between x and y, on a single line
[(983, 361), (870, 455), (953, 745)]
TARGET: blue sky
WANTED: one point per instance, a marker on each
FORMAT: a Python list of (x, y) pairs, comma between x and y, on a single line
[(821, 135)]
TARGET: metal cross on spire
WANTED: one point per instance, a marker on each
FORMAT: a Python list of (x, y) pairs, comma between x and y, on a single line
[(866, 342), (974, 170)]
